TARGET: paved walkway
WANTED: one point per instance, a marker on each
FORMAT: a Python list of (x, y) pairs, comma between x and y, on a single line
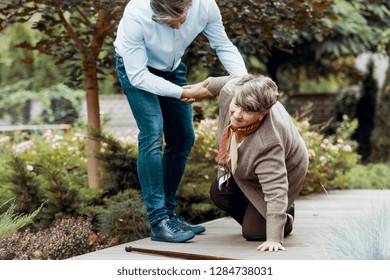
[(316, 215)]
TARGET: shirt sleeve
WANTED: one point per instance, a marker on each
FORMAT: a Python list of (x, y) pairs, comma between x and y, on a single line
[(272, 174), (227, 53), (132, 49)]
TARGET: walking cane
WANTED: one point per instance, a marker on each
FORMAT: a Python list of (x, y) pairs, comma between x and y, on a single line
[(172, 254)]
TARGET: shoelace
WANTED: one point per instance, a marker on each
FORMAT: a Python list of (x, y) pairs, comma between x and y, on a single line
[(172, 226)]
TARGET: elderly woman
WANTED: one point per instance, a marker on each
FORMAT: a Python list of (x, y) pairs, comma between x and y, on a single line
[(262, 159)]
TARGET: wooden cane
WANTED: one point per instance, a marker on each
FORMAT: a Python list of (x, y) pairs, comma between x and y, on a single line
[(172, 254)]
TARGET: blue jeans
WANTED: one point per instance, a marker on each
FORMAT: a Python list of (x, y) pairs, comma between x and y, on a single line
[(160, 172)]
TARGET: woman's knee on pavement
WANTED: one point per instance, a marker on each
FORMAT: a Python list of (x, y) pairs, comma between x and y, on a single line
[(253, 233)]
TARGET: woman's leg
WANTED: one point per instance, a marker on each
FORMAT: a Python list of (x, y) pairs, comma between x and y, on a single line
[(230, 199), (254, 227)]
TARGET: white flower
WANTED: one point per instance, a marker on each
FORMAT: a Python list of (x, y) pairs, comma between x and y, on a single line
[(22, 147), (4, 139), (347, 148), (29, 167)]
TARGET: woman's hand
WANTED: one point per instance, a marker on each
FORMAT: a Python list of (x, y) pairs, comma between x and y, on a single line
[(270, 246)]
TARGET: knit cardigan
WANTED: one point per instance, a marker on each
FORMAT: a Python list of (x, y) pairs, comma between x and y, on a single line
[(272, 161)]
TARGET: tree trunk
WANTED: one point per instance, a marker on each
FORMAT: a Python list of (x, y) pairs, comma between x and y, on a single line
[(380, 137), (92, 98)]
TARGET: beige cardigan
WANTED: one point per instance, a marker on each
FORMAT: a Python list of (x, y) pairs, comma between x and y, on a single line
[(272, 162)]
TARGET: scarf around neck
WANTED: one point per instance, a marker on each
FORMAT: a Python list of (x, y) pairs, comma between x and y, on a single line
[(228, 143)]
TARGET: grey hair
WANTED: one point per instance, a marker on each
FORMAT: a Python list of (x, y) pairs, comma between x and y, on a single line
[(169, 10), (256, 93)]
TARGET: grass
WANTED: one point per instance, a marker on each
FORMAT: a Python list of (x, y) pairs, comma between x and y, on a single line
[(11, 222), (364, 238)]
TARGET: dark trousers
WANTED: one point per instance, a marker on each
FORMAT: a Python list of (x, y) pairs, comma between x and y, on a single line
[(232, 200)]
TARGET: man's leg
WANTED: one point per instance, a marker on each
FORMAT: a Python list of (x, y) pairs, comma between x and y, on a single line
[(146, 109)]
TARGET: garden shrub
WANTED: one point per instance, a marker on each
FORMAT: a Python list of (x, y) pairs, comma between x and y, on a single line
[(48, 168), (124, 218), (118, 161), (370, 176), (330, 158), (67, 238), (193, 198), (62, 105)]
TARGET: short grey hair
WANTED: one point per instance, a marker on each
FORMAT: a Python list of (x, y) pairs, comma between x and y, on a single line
[(256, 93), (169, 10)]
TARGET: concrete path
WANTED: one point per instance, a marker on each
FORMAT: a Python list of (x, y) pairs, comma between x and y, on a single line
[(315, 218)]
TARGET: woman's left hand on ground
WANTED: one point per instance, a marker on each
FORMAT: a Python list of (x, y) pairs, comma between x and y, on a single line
[(270, 246)]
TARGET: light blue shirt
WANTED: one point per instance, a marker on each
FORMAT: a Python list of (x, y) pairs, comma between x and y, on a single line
[(142, 42)]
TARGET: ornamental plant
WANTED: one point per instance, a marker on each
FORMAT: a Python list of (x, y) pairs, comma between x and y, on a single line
[(330, 157), (49, 169)]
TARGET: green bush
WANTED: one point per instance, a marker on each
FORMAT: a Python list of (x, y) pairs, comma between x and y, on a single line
[(124, 218), (118, 164), (193, 198), (370, 176), (330, 158), (61, 105), (48, 168)]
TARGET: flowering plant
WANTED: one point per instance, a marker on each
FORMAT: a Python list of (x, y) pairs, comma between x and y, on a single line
[(330, 157)]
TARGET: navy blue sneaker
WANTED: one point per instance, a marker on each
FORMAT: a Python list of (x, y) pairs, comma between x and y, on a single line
[(181, 223), (167, 231)]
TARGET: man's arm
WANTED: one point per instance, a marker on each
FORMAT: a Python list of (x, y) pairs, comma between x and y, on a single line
[(208, 88), (228, 54), (131, 47)]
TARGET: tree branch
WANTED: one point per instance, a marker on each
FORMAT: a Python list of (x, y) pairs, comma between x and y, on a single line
[(86, 20), (80, 45)]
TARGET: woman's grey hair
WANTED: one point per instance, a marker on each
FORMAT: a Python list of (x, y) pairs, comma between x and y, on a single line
[(169, 10), (256, 93)]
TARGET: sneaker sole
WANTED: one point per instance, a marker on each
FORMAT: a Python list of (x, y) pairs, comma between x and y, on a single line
[(175, 240), (199, 231)]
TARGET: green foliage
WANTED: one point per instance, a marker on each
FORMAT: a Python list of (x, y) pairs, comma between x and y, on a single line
[(205, 141), (330, 158), (370, 176), (118, 164), (61, 105), (193, 199), (15, 101), (69, 31), (124, 217), (48, 168), (25, 185), (10, 222), (21, 64)]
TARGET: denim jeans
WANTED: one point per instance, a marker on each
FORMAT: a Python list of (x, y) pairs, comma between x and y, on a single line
[(160, 170)]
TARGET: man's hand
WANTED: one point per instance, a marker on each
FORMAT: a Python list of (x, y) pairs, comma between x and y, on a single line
[(195, 92), (270, 246)]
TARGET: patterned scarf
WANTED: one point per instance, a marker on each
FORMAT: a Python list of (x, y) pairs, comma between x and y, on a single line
[(228, 143)]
